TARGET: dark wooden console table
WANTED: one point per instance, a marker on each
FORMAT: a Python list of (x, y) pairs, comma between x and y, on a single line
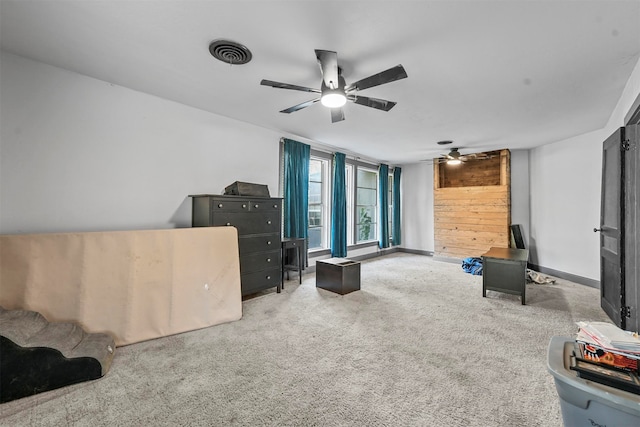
[(505, 270)]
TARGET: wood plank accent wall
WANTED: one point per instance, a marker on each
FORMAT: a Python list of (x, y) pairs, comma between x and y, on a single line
[(472, 215), (471, 174)]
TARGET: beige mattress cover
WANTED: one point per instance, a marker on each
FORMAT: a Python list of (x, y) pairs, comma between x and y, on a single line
[(134, 285)]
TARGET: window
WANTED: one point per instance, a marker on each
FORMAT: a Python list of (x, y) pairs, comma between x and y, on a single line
[(318, 211), (363, 215), (348, 179), (366, 201)]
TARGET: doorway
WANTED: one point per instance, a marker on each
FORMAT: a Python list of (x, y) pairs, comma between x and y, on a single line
[(619, 224)]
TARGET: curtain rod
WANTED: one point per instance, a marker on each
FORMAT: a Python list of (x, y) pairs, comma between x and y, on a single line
[(329, 149)]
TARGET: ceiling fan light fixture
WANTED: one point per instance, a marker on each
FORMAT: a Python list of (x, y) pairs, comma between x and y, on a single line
[(334, 92), (454, 162), (333, 99)]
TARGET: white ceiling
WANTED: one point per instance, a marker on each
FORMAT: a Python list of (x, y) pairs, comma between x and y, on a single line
[(485, 74)]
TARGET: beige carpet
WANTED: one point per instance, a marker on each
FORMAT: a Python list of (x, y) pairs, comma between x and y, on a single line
[(417, 346)]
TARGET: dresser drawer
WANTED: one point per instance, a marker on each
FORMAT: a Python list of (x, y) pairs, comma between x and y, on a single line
[(229, 206), (259, 261), (264, 205), (249, 223), (260, 280), (260, 243)]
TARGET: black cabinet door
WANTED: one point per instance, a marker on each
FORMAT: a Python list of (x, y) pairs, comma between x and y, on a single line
[(612, 228)]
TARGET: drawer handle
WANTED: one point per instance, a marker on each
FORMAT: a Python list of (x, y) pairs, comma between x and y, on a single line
[(294, 243), (219, 205), (268, 277), (255, 206), (244, 206), (269, 222), (269, 242), (275, 206), (268, 259), (228, 223)]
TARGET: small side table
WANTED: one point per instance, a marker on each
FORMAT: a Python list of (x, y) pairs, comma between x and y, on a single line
[(297, 244), (505, 270)]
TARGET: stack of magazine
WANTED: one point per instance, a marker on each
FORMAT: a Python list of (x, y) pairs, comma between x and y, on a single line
[(608, 355)]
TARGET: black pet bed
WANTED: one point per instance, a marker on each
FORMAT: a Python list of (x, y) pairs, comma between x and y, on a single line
[(38, 356)]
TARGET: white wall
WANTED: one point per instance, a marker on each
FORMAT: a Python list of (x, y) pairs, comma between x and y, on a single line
[(565, 205), (565, 195), (80, 154), (417, 207)]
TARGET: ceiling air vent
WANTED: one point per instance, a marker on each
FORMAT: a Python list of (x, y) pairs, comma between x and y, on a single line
[(230, 52)]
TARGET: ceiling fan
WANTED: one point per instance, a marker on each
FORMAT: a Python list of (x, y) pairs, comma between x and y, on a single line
[(454, 157), (334, 92)]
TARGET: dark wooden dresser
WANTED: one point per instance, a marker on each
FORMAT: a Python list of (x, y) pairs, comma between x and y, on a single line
[(258, 221)]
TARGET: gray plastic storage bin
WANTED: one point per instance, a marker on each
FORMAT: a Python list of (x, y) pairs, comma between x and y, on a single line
[(587, 403)]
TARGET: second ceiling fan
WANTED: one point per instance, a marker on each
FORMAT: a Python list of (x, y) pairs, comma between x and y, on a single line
[(454, 157), (334, 92)]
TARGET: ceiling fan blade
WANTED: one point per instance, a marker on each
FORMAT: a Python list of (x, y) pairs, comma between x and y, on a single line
[(337, 115), (300, 106), (434, 161), (380, 104), (279, 85), (328, 62), (387, 76)]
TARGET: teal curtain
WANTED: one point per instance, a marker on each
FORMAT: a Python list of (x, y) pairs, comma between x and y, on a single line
[(383, 205), (397, 234), (339, 208), (296, 188)]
